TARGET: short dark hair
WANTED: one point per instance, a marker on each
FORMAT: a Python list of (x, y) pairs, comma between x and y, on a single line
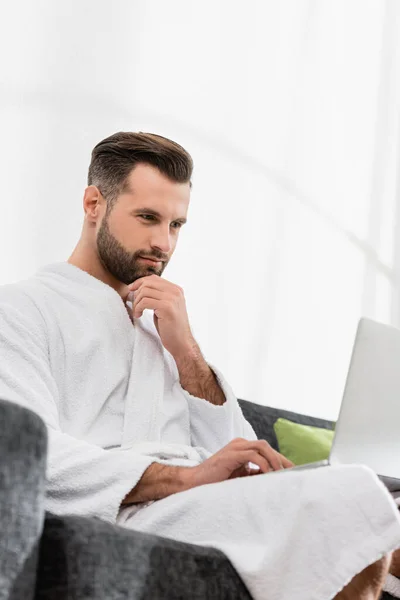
[(114, 158)]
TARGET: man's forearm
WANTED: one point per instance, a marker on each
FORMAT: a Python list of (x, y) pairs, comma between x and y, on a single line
[(197, 378), (159, 481)]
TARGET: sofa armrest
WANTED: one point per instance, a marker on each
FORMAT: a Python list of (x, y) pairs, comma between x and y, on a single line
[(23, 448), (85, 557)]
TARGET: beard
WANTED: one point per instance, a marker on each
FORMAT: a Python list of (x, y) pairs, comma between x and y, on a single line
[(122, 265)]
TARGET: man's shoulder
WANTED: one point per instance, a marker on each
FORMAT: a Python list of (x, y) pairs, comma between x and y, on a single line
[(20, 296)]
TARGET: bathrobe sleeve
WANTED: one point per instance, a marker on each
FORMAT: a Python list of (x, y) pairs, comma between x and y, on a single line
[(213, 426), (82, 479)]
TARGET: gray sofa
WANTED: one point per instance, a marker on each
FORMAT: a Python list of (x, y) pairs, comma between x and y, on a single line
[(48, 557)]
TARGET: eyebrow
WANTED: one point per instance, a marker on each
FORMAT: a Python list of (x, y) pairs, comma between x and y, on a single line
[(153, 212)]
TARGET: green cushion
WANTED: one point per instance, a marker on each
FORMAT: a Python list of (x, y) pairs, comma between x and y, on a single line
[(302, 444)]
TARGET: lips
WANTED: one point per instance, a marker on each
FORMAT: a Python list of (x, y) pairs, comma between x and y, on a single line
[(154, 260)]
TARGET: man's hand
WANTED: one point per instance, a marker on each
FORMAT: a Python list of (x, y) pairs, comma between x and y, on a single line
[(160, 481), (172, 323), (233, 461), (170, 315)]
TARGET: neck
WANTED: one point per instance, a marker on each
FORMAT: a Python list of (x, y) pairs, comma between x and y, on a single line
[(84, 257)]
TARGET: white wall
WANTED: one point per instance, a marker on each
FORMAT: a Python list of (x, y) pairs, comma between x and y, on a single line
[(290, 110)]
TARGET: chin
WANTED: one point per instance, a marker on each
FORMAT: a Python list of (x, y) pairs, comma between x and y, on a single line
[(154, 270)]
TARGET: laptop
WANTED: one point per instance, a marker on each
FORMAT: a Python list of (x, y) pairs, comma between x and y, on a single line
[(368, 427)]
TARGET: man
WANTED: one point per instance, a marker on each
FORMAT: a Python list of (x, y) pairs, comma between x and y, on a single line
[(143, 432)]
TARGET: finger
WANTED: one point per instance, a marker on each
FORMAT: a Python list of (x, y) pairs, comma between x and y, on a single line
[(153, 281), (287, 464), (273, 457), (125, 294), (256, 458), (137, 283), (146, 293), (150, 303), (264, 448)]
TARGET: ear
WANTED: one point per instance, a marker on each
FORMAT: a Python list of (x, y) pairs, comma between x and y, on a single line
[(92, 203)]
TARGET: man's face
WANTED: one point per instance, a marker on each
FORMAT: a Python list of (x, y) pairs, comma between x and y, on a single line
[(130, 231)]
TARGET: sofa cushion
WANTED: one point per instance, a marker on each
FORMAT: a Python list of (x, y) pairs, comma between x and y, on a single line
[(262, 419), (303, 444)]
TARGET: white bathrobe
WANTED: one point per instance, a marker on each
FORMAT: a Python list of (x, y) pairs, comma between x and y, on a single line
[(108, 391), (110, 396)]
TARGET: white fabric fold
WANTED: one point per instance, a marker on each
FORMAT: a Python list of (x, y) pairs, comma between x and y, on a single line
[(143, 401)]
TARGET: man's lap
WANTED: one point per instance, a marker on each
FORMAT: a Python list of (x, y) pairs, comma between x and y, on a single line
[(270, 524)]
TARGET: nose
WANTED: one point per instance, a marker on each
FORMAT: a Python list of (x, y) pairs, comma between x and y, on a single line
[(162, 240)]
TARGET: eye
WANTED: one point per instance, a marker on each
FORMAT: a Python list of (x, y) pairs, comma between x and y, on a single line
[(178, 225)]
